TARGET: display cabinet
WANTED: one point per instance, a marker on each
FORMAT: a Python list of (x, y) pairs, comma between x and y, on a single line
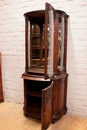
[(1, 89), (45, 76)]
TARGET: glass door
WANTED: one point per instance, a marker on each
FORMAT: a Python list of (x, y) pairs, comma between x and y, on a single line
[(36, 57), (49, 40), (61, 43)]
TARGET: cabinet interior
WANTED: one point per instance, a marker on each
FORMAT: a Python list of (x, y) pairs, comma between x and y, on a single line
[(34, 95)]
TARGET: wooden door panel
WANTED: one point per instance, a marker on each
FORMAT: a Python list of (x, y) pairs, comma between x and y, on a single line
[(49, 40), (47, 103)]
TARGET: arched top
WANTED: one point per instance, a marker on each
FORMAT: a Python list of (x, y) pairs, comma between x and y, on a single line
[(41, 13)]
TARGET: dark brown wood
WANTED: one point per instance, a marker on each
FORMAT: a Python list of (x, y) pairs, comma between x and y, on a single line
[(26, 43), (1, 89), (45, 39), (34, 93), (47, 103), (45, 93), (65, 41), (59, 102)]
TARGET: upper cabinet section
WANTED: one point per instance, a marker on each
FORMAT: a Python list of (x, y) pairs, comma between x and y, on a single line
[(45, 41), (34, 42)]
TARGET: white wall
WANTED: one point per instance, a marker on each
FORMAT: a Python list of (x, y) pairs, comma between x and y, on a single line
[(12, 46)]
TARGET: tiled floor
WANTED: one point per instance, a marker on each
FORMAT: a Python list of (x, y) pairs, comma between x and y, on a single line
[(12, 118)]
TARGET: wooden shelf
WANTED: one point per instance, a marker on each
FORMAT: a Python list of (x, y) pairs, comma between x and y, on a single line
[(35, 107), (35, 93)]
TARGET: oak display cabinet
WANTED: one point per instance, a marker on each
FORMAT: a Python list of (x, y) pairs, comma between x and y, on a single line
[(45, 76)]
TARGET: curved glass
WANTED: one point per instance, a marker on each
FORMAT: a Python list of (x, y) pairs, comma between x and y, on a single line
[(50, 43), (61, 43), (36, 47)]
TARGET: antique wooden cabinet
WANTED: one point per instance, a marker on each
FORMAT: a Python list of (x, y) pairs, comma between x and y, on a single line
[(45, 76), (1, 90)]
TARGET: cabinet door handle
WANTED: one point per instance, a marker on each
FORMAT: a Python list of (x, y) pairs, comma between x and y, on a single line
[(44, 113)]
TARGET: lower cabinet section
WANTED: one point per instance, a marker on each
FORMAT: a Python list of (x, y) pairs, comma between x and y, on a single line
[(38, 100), (33, 107), (45, 99)]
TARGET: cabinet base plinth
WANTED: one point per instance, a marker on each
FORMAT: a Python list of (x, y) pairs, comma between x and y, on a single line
[(57, 116), (33, 114), (26, 115), (1, 99)]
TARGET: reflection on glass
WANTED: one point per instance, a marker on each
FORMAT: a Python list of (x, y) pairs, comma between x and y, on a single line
[(50, 43), (61, 43)]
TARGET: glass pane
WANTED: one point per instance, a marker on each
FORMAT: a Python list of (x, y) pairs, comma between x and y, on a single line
[(37, 46), (50, 43), (61, 43)]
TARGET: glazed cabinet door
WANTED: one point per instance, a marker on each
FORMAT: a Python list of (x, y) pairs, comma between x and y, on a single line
[(47, 103), (49, 40)]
